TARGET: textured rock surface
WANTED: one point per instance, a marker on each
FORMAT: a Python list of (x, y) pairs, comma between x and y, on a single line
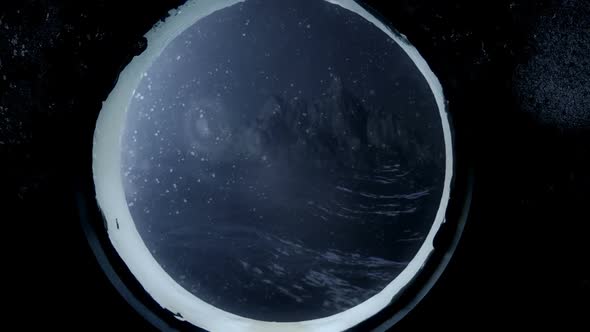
[(552, 83)]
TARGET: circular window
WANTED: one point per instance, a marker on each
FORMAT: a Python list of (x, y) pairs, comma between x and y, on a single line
[(274, 165)]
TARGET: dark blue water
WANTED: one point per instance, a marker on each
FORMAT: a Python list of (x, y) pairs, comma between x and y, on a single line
[(278, 194)]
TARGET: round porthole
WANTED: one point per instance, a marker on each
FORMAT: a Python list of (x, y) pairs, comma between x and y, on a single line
[(274, 165)]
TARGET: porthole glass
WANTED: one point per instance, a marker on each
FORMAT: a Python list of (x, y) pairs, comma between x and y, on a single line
[(274, 165)]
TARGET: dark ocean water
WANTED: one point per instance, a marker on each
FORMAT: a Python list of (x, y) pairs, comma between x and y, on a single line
[(283, 180), (298, 247)]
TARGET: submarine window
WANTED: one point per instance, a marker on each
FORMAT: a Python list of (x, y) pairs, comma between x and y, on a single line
[(274, 165)]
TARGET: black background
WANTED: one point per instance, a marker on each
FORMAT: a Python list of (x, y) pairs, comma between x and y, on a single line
[(517, 77)]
